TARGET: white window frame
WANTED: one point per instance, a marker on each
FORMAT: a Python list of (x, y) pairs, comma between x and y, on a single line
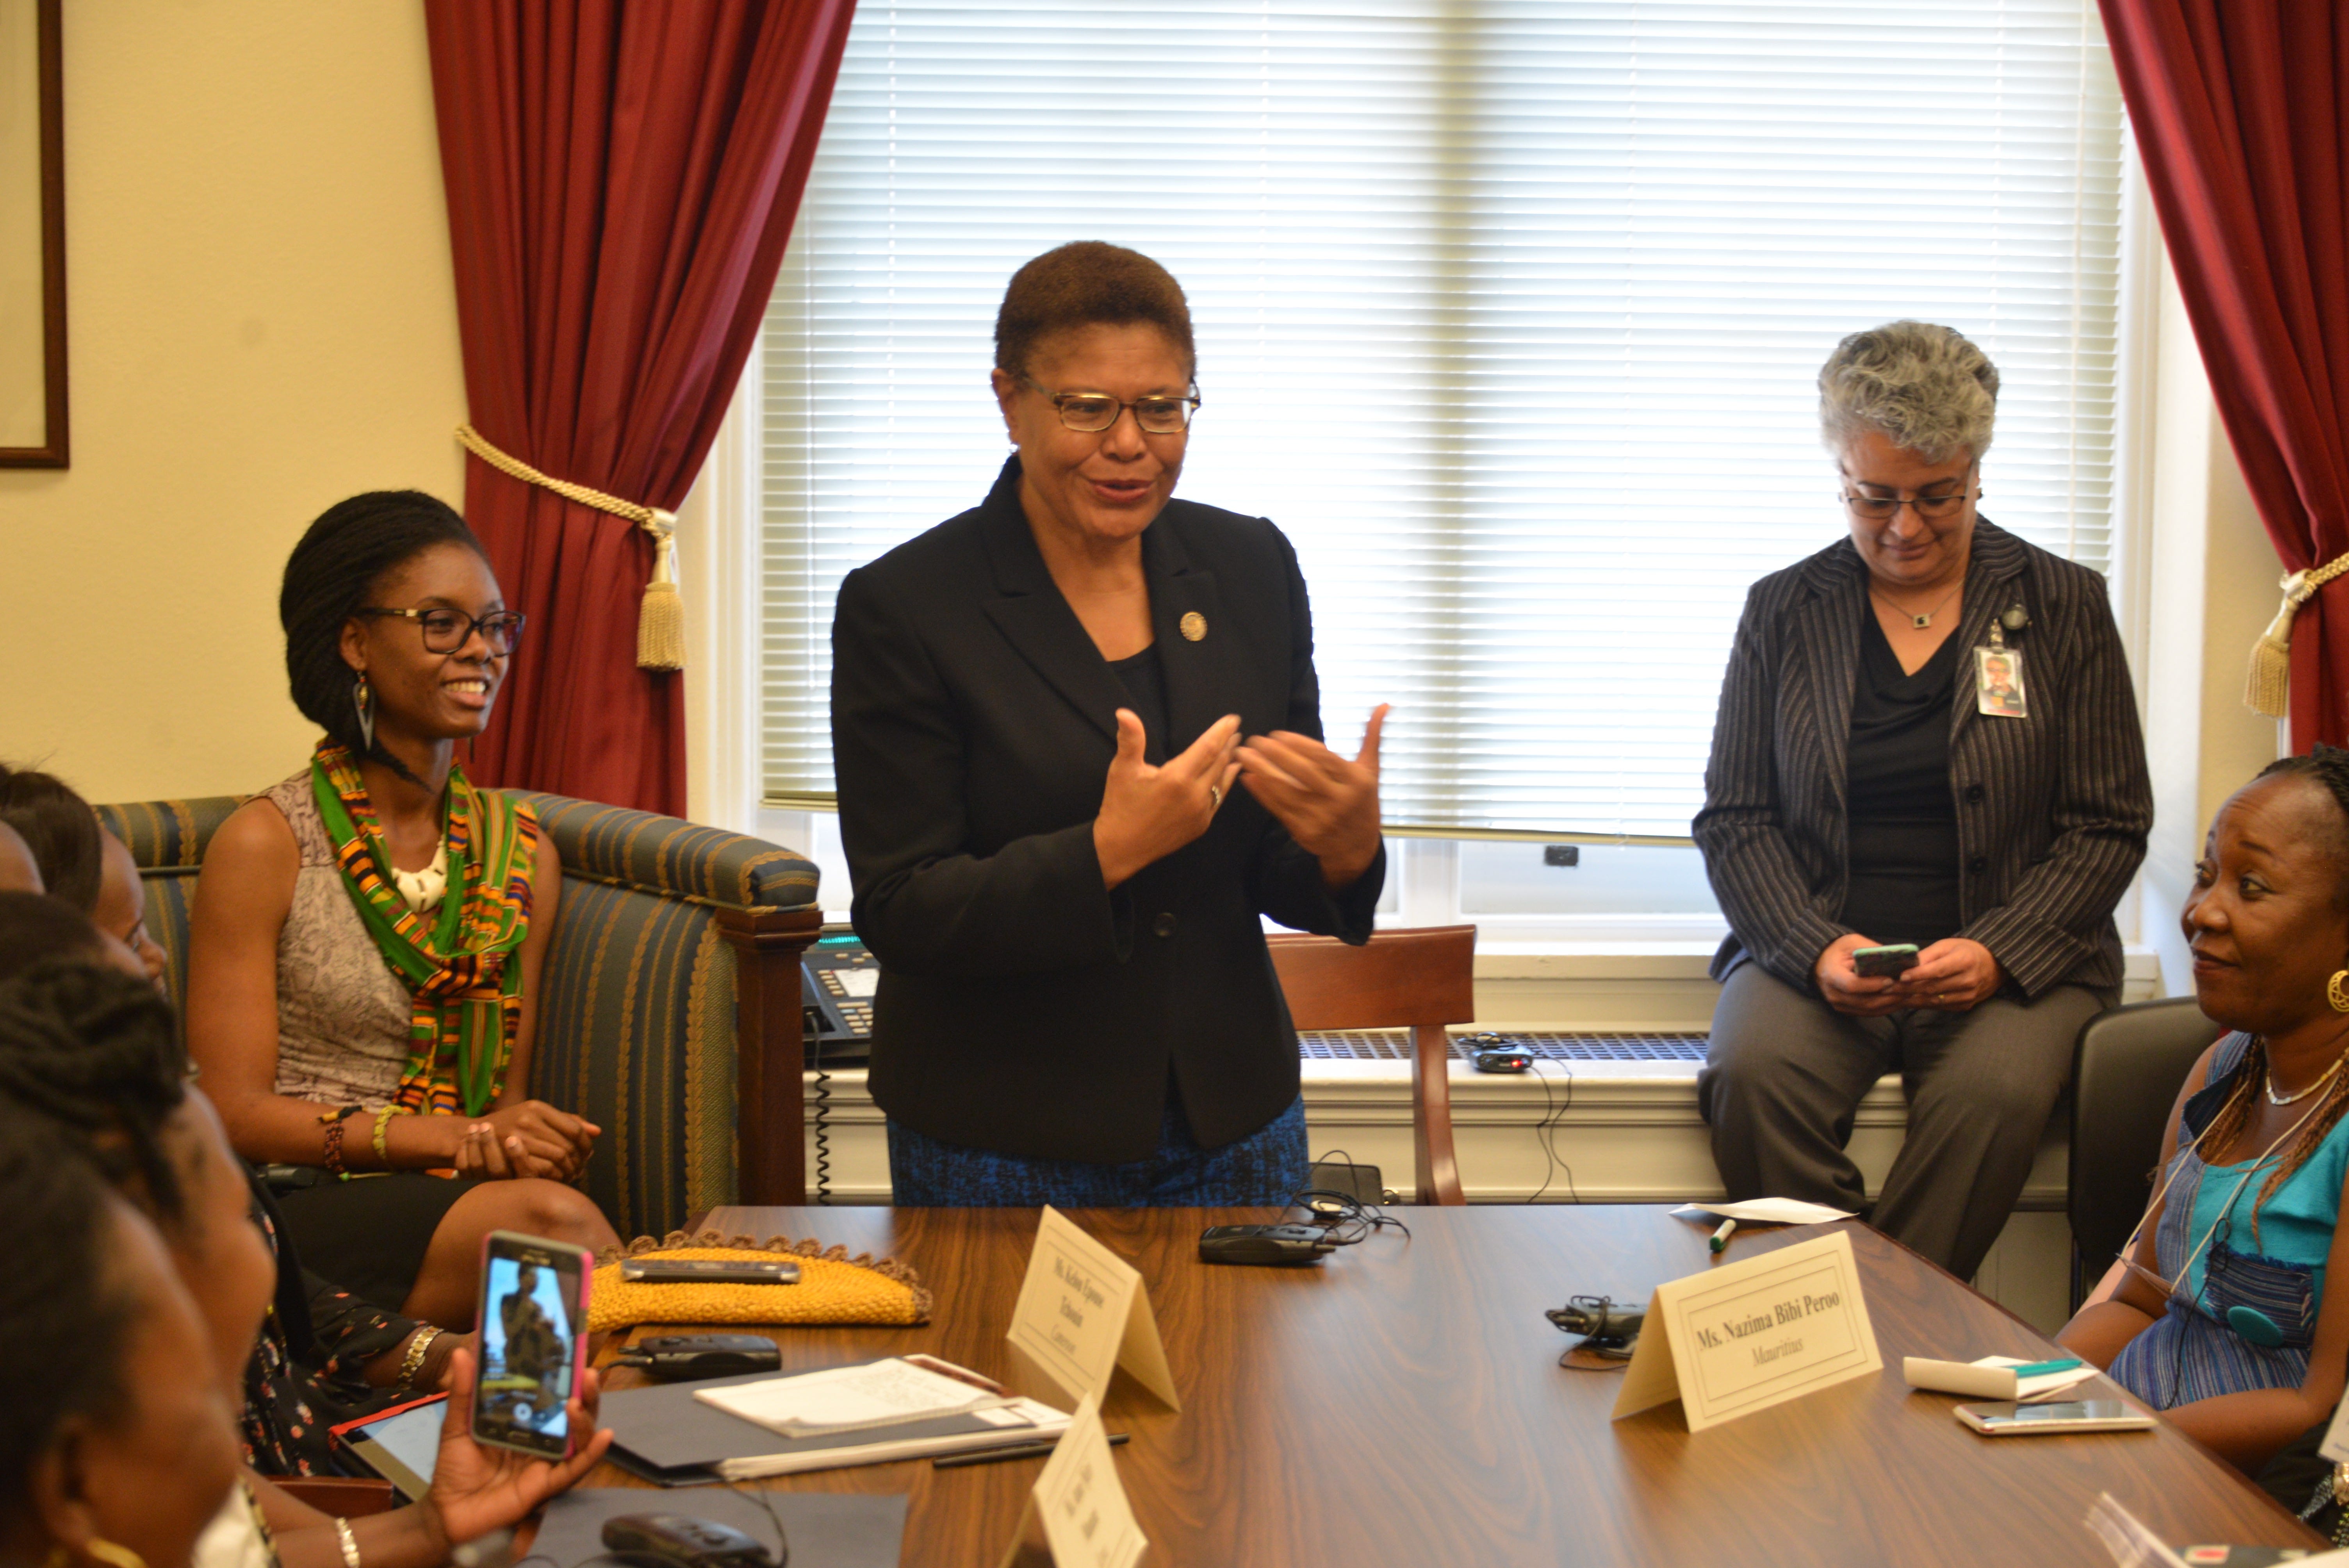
[(719, 530)]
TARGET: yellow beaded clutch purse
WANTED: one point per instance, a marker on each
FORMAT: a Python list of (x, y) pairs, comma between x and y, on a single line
[(833, 1288)]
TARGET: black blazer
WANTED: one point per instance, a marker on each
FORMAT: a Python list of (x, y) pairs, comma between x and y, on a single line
[(1022, 1007), (2052, 809)]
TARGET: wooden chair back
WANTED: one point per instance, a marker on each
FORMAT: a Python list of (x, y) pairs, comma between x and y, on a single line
[(1419, 979)]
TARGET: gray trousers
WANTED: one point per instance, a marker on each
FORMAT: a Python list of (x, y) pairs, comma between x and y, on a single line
[(1786, 1073)]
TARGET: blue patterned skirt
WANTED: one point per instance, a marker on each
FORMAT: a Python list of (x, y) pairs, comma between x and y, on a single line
[(1265, 1166), (2187, 1356)]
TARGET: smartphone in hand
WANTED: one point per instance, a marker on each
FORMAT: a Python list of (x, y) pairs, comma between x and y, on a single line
[(1895, 960), (534, 1342)]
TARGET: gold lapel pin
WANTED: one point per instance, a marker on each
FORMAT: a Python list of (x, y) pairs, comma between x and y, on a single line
[(1194, 626)]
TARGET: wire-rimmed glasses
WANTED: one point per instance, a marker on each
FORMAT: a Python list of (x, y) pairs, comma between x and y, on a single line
[(1089, 413), (446, 631), (1933, 507)]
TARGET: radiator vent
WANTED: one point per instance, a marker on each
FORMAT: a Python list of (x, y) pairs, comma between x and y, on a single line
[(1394, 1046)]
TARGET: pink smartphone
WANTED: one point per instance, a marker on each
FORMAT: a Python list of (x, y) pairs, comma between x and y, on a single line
[(533, 1323)]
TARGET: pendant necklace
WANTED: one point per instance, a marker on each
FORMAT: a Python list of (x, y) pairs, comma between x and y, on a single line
[(1926, 620)]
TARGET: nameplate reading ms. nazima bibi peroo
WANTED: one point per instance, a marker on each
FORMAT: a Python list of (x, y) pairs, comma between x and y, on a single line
[(1746, 1336)]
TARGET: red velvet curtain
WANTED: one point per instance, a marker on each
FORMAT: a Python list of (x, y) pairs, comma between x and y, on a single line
[(2239, 111), (622, 178)]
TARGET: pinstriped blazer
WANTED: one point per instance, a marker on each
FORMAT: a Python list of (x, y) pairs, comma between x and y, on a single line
[(2052, 809)]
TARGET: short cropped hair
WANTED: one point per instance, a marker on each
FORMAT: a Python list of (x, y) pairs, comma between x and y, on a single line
[(1088, 283), (1924, 388)]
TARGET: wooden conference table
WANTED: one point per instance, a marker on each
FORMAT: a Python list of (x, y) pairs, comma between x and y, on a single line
[(1401, 1403)]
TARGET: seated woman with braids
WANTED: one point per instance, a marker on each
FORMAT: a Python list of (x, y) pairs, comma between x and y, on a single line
[(94, 1054), (323, 1355), (2222, 1318), (114, 1438), (366, 946)]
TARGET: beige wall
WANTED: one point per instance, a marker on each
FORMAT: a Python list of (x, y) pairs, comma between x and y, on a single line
[(2211, 591), (262, 322)]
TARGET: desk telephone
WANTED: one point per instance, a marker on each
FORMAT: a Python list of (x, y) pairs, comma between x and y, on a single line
[(837, 979)]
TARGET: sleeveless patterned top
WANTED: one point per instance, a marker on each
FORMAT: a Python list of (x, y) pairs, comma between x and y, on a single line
[(342, 1013)]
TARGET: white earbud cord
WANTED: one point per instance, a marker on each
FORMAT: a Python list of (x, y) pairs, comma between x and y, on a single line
[(2170, 1288)]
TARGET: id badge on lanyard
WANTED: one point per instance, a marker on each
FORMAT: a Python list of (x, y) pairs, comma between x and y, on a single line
[(1999, 691)]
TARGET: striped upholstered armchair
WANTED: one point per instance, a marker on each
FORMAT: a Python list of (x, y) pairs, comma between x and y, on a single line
[(671, 1015)]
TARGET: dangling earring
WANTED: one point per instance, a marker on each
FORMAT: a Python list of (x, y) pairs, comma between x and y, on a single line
[(106, 1552), (364, 700), (2336, 993)]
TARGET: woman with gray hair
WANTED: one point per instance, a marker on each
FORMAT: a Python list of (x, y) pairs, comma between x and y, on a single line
[(1927, 792)]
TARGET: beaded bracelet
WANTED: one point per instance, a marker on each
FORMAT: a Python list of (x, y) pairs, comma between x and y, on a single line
[(334, 1121)]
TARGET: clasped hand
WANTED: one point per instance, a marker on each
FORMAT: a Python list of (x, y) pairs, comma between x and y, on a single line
[(530, 1139), (1953, 975)]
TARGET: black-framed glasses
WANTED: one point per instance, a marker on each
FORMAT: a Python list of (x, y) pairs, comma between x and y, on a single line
[(1091, 413), (446, 631)]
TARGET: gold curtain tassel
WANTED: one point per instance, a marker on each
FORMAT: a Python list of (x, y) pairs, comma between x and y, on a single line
[(660, 620), (2268, 688)]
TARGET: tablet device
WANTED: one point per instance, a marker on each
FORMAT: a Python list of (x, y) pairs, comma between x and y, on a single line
[(399, 1444)]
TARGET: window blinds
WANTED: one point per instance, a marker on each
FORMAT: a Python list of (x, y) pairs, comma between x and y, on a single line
[(1509, 315)]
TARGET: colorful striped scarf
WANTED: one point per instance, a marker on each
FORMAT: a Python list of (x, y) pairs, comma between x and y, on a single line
[(462, 967)]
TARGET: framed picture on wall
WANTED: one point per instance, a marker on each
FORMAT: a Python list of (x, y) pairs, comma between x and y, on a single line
[(32, 237)]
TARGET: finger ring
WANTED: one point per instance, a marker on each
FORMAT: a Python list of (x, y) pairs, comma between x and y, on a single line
[(1216, 797)]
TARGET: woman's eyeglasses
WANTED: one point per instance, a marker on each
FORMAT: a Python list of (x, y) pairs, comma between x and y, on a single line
[(447, 631), (1093, 412), (1933, 507), (1885, 508)]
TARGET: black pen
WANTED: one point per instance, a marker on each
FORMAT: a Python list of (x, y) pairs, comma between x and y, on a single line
[(1011, 1451)]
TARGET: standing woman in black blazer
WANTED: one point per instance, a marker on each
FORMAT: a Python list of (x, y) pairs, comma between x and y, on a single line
[(1077, 739), (1927, 735)]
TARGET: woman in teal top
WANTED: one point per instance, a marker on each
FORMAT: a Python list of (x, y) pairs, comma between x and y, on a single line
[(2245, 1312), (2221, 1320)]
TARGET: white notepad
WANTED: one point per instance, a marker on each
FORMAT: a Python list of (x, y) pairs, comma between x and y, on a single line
[(884, 1393)]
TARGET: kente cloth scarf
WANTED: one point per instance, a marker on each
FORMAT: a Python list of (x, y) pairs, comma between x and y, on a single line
[(462, 967)]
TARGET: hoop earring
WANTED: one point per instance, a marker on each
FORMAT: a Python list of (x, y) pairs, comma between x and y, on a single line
[(106, 1552), (363, 699), (2335, 993)]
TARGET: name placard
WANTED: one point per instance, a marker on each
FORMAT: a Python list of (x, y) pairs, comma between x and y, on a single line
[(1077, 1515), (1082, 1314), (1746, 1336)]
